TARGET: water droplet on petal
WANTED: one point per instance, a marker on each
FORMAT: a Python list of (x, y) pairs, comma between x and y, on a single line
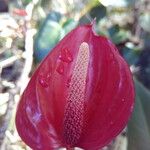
[(66, 56), (131, 109), (111, 122), (109, 42), (123, 100), (112, 58), (44, 80), (60, 68)]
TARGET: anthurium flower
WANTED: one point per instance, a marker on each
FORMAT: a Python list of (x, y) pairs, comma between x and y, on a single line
[(81, 95)]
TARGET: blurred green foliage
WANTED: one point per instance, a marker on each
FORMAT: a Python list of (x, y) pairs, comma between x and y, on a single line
[(139, 125), (52, 30)]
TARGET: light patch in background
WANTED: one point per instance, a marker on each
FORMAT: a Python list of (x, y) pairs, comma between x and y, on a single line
[(115, 3)]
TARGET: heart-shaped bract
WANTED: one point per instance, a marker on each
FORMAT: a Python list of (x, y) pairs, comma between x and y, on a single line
[(81, 95)]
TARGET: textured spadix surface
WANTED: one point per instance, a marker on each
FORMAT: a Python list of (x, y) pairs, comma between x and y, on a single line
[(81, 95)]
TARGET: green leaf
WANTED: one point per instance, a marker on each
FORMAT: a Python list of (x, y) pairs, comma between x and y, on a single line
[(55, 16), (98, 12), (113, 30), (131, 3), (144, 21), (48, 36), (69, 25), (146, 41), (130, 55), (86, 19), (139, 125), (26, 2), (144, 95), (118, 35)]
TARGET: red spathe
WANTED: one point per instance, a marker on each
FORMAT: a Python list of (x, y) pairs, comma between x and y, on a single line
[(81, 95)]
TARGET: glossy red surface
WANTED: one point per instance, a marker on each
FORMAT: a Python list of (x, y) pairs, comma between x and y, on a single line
[(81, 95)]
